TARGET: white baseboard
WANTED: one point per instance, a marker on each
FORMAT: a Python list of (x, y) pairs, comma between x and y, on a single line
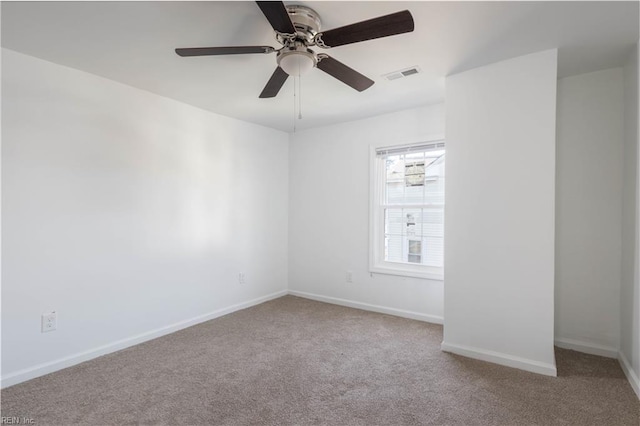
[(367, 307), (68, 361), (501, 358), (632, 376), (587, 347), (606, 351)]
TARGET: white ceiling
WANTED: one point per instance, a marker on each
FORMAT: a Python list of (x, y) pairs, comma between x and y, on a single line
[(133, 42)]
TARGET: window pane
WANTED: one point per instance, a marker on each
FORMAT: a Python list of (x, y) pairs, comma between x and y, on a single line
[(394, 179), (415, 247), (394, 167), (414, 170), (393, 222), (434, 180), (434, 190), (434, 251), (412, 218), (432, 222), (393, 248), (414, 194), (415, 178), (414, 236)]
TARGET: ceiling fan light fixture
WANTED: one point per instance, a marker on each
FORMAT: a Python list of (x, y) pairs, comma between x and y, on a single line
[(297, 62), (297, 28)]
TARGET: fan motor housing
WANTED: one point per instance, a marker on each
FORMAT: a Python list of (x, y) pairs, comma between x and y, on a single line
[(305, 20)]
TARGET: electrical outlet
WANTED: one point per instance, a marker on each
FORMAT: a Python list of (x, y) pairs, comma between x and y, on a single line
[(349, 277), (241, 278), (49, 321)]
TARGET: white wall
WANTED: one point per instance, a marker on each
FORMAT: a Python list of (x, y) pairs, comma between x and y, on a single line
[(127, 213), (499, 217), (630, 288), (329, 214), (588, 211)]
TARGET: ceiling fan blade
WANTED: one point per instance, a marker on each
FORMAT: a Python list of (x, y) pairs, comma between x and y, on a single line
[(276, 14), (232, 50), (343, 73), (382, 26), (274, 84)]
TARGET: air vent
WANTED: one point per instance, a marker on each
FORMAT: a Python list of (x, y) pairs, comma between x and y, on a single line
[(401, 73)]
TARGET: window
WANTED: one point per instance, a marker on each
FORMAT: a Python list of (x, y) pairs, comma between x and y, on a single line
[(407, 210)]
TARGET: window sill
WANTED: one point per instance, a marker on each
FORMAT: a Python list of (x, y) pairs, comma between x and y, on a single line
[(433, 274)]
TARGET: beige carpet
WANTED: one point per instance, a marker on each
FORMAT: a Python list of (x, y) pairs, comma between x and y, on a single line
[(295, 361)]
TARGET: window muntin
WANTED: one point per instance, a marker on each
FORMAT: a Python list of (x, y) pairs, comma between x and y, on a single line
[(408, 210)]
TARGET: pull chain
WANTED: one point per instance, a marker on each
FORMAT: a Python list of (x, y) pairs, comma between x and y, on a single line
[(300, 98), (297, 96), (294, 103)]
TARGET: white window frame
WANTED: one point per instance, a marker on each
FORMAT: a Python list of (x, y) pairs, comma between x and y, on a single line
[(377, 264)]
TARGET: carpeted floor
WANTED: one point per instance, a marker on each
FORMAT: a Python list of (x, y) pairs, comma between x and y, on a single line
[(296, 361)]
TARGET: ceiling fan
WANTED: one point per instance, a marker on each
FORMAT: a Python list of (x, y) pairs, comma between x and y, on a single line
[(297, 28)]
